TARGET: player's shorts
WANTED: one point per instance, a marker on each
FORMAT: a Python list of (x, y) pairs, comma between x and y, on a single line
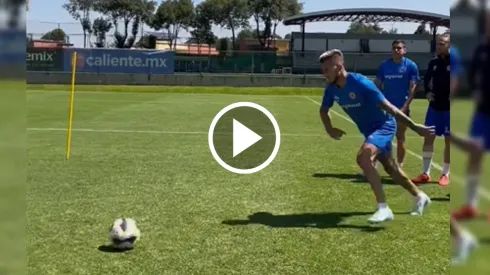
[(441, 120), (382, 137), (480, 129)]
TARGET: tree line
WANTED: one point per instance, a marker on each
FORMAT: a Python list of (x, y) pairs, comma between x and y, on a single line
[(245, 19), (254, 18)]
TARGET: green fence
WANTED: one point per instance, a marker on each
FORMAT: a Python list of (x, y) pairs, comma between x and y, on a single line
[(239, 62)]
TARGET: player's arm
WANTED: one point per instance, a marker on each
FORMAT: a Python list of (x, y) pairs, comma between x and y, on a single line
[(380, 77), (456, 72), (326, 119), (327, 103), (397, 113), (473, 74), (414, 80), (472, 71), (429, 74), (376, 97)]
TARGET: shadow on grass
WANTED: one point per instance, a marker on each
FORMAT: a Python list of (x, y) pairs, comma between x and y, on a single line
[(445, 199), (355, 178), (306, 220), (485, 241), (111, 249)]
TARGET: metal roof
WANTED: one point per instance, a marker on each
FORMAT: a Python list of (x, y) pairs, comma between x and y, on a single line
[(370, 15)]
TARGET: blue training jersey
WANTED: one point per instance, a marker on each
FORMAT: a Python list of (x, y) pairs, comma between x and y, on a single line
[(396, 79), (455, 61), (360, 99)]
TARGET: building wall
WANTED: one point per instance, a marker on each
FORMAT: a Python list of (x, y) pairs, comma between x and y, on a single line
[(358, 58)]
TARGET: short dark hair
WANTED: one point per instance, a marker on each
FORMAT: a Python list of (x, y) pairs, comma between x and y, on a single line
[(399, 41)]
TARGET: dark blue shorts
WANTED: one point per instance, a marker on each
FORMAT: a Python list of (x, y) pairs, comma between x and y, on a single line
[(441, 120), (480, 129), (382, 138)]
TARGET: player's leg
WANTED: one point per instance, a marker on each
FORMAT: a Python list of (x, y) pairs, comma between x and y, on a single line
[(465, 242), (400, 143), (475, 161), (391, 167), (431, 119), (480, 138), (466, 145), (445, 123), (365, 157)]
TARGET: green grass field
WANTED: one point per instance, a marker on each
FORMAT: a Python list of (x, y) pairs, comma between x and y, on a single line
[(133, 156)]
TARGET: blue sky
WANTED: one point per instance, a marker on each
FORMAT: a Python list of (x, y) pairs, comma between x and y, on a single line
[(45, 15)]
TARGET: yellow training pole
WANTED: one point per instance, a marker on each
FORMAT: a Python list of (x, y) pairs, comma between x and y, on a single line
[(72, 98)]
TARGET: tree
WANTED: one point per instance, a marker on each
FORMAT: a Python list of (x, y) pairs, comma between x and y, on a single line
[(228, 14), (100, 28), (270, 13), (55, 35), (80, 11), (223, 45), (134, 12), (362, 28), (29, 42), (173, 16), (288, 36), (202, 33), (246, 34), (421, 29)]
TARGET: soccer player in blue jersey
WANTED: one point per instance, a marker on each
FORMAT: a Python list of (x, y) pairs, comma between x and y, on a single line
[(375, 117), (479, 143), (397, 78), (465, 241)]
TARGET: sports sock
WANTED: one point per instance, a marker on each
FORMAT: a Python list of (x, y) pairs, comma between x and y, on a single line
[(427, 161), (382, 205), (445, 169), (472, 199)]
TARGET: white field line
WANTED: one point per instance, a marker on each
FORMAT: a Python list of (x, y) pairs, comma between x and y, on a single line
[(484, 193)]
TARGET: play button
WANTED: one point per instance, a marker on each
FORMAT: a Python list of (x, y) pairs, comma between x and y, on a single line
[(244, 138)]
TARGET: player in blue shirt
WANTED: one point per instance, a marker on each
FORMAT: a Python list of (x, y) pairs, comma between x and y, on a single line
[(464, 239), (397, 78), (373, 114)]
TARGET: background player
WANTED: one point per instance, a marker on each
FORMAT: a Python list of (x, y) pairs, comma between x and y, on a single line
[(368, 108), (397, 77), (479, 83), (437, 90), (465, 241)]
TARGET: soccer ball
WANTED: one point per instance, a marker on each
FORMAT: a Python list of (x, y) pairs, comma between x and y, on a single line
[(123, 234)]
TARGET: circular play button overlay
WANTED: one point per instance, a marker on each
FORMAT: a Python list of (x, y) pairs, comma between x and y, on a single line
[(244, 138)]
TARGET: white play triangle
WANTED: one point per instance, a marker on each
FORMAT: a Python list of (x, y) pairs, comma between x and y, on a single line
[(243, 138)]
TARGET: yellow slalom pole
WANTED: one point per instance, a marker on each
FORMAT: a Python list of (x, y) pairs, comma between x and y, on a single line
[(72, 98)]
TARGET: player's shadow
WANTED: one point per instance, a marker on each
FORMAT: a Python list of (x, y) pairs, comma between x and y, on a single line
[(111, 249), (485, 241), (306, 220), (444, 199), (355, 178)]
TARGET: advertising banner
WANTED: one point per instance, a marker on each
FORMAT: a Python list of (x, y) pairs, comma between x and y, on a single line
[(44, 59), (121, 61)]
